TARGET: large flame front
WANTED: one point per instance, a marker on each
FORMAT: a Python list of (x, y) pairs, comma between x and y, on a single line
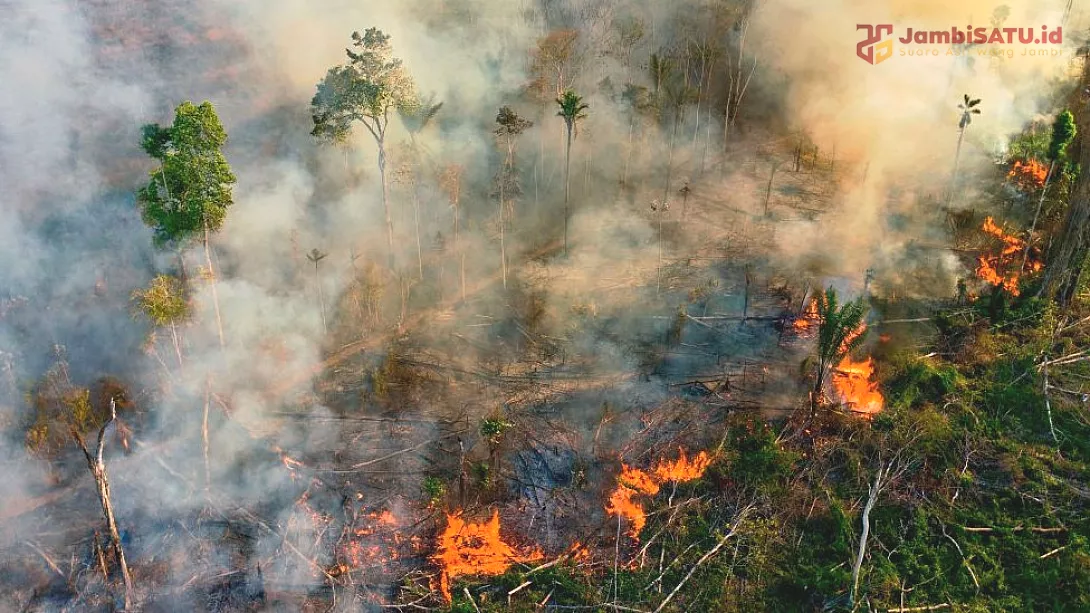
[(854, 384), (633, 481), (1028, 175), (467, 548), (1004, 268)]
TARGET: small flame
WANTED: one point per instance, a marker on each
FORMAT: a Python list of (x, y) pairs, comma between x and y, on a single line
[(1028, 175), (633, 481), (467, 548), (854, 384), (809, 318)]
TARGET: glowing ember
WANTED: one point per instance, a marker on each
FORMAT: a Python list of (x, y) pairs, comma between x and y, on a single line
[(1002, 269), (467, 548), (1028, 175), (854, 384), (682, 469), (633, 481)]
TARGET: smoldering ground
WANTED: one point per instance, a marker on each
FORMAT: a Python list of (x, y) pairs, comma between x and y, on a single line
[(80, 79)]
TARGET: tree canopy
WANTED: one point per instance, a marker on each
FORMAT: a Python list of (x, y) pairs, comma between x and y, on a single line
[(366, 89), (191, 189)]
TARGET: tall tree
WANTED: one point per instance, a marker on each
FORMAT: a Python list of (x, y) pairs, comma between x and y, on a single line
[(1063, 132), (164, 303), (509, 126), (450, 180), (366, 89), (416, 117), (572, 109), (189, 193), (839, 333), (968, 109)]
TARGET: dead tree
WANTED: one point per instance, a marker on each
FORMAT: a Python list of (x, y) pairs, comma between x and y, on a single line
[(887, 472), (98, 471)]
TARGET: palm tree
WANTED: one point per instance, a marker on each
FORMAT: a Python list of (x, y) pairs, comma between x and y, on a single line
[(316, 256), (839, 333), (967, 111), (572, 109)]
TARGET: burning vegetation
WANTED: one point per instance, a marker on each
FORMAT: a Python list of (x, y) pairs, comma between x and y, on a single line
[(1004, 268), (1029, 175), (467, 548), (856, 387), (633, 482)]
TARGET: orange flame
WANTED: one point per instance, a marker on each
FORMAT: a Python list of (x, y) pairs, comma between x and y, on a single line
[(854, 384), (682, 469), (633, 481), (990, 268), (808, 318), (467, 548), (1028, 175)]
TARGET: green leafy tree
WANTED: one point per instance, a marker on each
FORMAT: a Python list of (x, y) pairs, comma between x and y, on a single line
[(509, 126), (839, 333), (366, 89), (164, 303), (968, 109), (1063, 132), (573, 110), (189, 193)]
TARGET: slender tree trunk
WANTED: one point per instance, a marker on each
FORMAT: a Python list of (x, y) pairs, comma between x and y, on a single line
[(177, 345), (670, 158), (204, 435), (213, 283), (768, 191), (1040, 204), (321, 298), (386, 199), (416, 222), (628, 152), (567, 186), (957, 161), (503, 223)]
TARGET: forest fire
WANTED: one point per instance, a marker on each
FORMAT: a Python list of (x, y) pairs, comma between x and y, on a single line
[(1003, 269), (633, 481), (854, 384), (467, 548), (1028, 175)]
